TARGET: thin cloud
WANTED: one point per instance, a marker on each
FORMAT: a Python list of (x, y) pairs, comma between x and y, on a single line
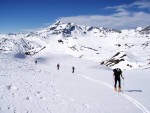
[(142, 4), (36, 29), (124, 18), (32, 30), (137, 4), (116, 21), (119, 8)]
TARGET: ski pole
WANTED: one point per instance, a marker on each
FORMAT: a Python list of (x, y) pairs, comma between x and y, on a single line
[(123, 86), (113, 81)]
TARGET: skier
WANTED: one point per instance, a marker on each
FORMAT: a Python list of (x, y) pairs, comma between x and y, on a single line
[(58, 66), (36, 62), (117, 74), (73, 68)]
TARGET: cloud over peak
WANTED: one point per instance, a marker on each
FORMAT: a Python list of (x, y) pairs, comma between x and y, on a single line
[(123, 16), (137, 4)]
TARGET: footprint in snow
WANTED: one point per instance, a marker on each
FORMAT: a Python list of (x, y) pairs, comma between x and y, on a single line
[(40, 95), (71, 99), (86, 105), (11, 87), (28, 98)]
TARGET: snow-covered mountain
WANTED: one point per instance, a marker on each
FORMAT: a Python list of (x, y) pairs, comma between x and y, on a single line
[(126, 48), (30, 87)]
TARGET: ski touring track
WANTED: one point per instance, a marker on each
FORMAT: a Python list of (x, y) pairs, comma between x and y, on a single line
[(135, 102)]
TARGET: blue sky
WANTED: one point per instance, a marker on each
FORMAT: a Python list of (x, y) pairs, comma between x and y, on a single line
[(32, 15)]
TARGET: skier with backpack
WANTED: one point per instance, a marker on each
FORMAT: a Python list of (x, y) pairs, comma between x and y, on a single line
[(58, 66), (117, 74), (73, 68), (36, 62)]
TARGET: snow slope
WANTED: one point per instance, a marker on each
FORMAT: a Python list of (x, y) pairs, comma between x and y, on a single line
[(29, 88), (97, 44), (26, 87)]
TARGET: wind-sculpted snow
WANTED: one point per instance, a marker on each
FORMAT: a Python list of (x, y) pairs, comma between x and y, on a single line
[(97, 44)]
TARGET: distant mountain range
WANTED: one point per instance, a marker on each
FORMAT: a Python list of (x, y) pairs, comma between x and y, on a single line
[(129, 49)]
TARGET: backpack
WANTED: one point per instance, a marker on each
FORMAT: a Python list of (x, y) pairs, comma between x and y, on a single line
[(117, 72)]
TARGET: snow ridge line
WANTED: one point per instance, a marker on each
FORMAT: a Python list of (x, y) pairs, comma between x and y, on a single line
[(135, 102)]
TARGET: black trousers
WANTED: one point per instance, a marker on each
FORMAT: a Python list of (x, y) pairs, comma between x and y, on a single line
[(119, 82)]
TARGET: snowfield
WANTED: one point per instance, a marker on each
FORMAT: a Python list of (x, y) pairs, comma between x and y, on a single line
[(97, 44), (26, 87)]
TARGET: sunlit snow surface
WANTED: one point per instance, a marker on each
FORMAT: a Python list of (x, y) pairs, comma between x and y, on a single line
[(86, 42), (26, 87)]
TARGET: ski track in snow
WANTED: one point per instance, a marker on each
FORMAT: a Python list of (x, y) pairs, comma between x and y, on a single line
[(134, 101), (41, 95)]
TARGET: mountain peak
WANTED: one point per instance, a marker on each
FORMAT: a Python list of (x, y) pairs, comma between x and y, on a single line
[(58, 22), (146, 30)]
